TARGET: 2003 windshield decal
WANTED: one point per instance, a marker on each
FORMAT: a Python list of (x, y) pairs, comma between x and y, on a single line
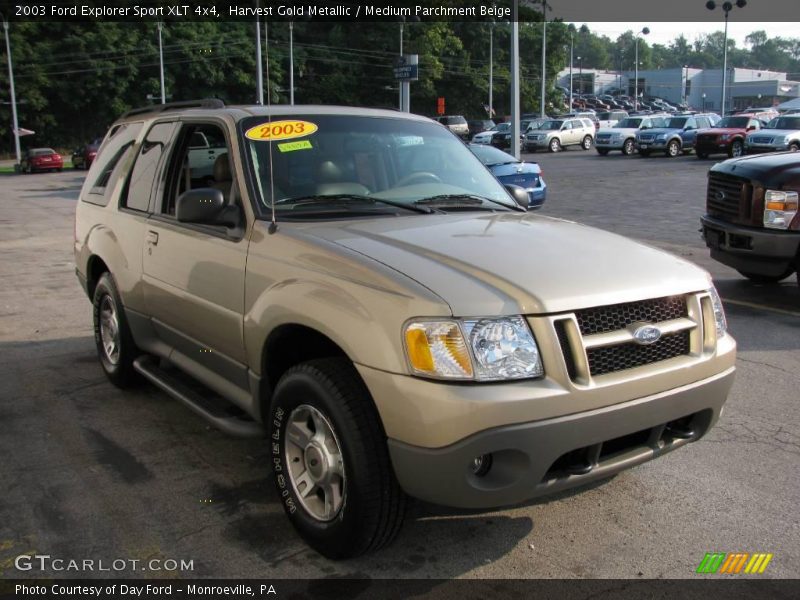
[(280, 130)]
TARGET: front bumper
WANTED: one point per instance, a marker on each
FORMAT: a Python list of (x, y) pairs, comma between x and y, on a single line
[(542, 143), (610, 144), (759, 148), (713, 148), (547, 456), (768, 252)]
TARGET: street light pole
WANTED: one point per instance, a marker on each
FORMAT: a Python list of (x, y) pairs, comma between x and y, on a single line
[(726, 8), (400, 84), (161, 63), (491, 68), (644, 31), (571, 50), (544, 54), (15, 124), (514, 150), (259, 73), (291, 63)]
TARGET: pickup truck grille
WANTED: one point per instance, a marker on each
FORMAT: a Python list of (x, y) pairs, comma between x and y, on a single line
[(619, 352), (724, 195)]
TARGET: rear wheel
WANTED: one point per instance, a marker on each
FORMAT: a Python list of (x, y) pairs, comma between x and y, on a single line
[(673, 148), (736, 149), (586, 144), (628, 147), (112, 336), (760, 278), (555, 145), (330, 460)]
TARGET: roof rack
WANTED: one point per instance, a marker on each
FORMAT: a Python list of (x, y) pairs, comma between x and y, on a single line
[(156, 108)]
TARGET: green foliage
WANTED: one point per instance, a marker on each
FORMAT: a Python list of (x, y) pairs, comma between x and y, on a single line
[(73, 80)]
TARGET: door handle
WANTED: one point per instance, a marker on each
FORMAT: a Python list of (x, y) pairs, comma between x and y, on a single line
[(152, 238)]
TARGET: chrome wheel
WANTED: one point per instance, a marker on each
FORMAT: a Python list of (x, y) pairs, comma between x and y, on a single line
[(737, 149), (109, 329), (315, 464)]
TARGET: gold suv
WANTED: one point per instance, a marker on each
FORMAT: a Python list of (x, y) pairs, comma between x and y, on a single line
[(355, 287)]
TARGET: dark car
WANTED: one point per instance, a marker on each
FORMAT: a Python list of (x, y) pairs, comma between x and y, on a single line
[(726, 137), (509, 170), (752, 222), (41, 159), (83, 157), (479, 125)]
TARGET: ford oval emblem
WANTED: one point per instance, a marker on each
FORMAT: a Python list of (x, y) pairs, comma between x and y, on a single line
[(720, 195), (646, 334)]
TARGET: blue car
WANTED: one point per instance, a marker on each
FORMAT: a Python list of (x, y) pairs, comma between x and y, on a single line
[(508, 169), (676, 137)]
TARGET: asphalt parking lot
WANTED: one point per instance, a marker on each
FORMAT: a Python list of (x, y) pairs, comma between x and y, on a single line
[(89, 471)]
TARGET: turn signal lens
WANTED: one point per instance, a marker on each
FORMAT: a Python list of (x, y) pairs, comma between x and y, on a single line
[(780, 208), (437, 349)]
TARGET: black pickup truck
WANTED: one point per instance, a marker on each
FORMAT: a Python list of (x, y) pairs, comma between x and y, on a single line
[(752, 222)]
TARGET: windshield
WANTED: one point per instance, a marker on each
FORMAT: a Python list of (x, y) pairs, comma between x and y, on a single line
[(550, 125), (676, 122), (784, 123), (628, 124), (362, 163), (491, 156), (733, 122)]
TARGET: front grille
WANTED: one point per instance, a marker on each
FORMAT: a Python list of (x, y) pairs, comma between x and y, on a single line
[(723, 195), (707, 139), (603, 138), (761, 140), (646, 138), (609, 359), (619, 316)]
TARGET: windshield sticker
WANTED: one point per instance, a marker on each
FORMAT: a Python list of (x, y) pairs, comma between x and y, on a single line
[(280, 130), (292, 146)]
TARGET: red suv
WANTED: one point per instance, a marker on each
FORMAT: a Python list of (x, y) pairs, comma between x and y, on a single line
[(727, 136), (41, 159)]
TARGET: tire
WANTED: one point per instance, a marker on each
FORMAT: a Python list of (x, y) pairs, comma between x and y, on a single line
[(359, 507), (555, 145), (673, 149), (736, 149), (702, 155), (602, 151), (628, 147), (759, 278), (644, 153), (112, 335), (586, 143), (794, 147), (59, 169)]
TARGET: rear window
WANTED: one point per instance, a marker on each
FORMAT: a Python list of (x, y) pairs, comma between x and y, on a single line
[(455, 120), (42, 152)]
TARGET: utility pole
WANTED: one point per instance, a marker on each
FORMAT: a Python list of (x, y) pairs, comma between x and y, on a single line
[(491, 68), (515, 81), (544, 54), (259, 73), (15, 124), (161, 63), (571, 50), (400, 83), (291, 63)]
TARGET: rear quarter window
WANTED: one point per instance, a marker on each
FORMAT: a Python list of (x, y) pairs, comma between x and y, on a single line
[(109, 163)]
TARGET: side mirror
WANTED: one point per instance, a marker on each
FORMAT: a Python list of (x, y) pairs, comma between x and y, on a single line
[(201, 205), (751, 128), (519, 194)]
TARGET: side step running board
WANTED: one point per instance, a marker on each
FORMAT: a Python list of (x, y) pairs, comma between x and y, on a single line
[(211, 409)]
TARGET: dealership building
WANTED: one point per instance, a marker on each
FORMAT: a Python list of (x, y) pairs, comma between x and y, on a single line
[(700, 88)]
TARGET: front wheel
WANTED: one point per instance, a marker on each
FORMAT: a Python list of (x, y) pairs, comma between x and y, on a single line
[(794, 147), (555, 145), (330, 460), (673, 149), (737, 149), (628, 147), (586, 144)]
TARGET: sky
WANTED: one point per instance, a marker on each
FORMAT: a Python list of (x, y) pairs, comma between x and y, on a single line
[(663, 33)]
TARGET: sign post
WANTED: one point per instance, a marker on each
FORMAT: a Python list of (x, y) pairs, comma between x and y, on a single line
[(406, 70)]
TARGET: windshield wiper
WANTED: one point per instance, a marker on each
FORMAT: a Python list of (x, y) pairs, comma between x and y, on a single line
[(460, 200), (500, 164), (346, 199)]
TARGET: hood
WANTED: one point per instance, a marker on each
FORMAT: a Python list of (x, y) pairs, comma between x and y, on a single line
[(774, 170), (660, 130), (512, 169), (774, 132), (618, 130), (722, 131), (516, 263)]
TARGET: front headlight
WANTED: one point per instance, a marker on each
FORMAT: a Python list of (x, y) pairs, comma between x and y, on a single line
[(662, 137), (475, 349), (780, 207), (719, 312)]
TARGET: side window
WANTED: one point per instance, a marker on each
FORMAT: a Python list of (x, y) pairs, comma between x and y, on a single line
[(119, 142), (755, 123), (567, 125), (690, 124), (139, 187), (192, 167), (703, 122)]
